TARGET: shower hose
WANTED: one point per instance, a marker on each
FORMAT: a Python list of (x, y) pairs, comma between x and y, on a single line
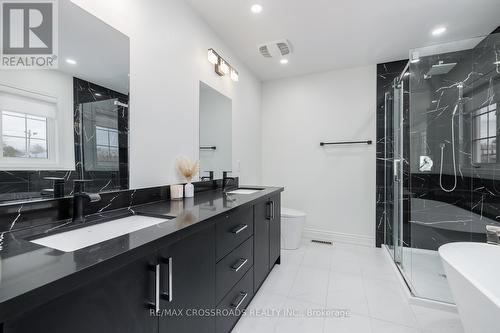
[(454, 160)]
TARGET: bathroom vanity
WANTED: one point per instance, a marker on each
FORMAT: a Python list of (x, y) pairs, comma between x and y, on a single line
[(193, 272)]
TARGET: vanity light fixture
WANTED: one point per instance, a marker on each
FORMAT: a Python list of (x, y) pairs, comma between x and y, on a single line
[(213, 57), (234, 75), (221, 66), (224, 67), (284, 61), (71, 61)]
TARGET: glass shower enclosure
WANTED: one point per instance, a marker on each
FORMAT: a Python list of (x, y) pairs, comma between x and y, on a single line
[(441, 167)]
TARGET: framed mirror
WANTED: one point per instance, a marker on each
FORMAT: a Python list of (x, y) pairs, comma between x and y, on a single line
[(215, 133), (68, 123)]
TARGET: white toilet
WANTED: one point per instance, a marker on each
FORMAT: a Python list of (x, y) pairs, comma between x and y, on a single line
[(292, 224)]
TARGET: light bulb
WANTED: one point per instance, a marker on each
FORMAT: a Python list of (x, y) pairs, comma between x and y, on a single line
[(224, 67), (213, 58), (234, 75)]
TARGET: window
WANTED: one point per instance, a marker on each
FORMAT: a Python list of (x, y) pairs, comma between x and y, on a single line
[(107, 145), (24, 135), (484, 136)]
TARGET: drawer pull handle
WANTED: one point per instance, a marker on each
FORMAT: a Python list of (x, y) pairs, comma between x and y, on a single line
[(237, 266), (240, 228), (239, 300), (156, 303)]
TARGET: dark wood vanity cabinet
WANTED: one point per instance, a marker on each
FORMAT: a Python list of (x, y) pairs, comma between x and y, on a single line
[(274, 231), (182, 275), (261, 243), (117, 302), (200, 283), (267, 238), (187, 282)]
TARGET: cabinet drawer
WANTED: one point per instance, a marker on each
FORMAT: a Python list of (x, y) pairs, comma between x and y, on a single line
[(232, 230), (236, 300), (232, 268)]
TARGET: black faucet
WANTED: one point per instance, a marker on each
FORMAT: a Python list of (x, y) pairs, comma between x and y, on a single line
[(209, 177), (79, 199), (226, 179)]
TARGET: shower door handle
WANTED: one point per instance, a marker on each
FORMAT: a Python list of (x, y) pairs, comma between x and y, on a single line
[(397, 170)]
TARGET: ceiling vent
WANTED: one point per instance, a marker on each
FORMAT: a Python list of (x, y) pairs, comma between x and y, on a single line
[(278, 49)]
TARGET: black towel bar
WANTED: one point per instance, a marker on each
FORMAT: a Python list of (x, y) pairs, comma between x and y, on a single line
[(368, 142)]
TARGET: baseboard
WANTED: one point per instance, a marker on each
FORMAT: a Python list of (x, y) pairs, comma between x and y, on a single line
[(319, 234)]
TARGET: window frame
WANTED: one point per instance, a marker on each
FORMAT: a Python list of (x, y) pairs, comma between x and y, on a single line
[(108, 130), (53, 135), (476, 139), (26, 117)]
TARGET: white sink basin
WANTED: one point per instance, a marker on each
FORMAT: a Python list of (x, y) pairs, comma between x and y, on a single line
[(79, 238), (244, 191), (472, 270)]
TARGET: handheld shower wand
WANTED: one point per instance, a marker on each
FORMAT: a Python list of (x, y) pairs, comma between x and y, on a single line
[(454, 160), (442, 145)]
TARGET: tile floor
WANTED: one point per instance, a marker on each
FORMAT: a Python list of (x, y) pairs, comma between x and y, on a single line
[(426, 274), (343, 277)]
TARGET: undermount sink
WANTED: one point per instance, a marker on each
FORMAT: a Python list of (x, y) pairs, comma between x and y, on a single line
[(472, 270), (77, 239), (245, 191)]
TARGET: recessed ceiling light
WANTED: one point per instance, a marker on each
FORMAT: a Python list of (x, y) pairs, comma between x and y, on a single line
[(256, 9), (438, 31), (284, 61), (98, 94), (71, 61)]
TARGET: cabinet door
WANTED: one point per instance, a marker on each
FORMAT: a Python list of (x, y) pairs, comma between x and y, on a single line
[(188, 283), (117, 302), (261, 243), (275, 231)]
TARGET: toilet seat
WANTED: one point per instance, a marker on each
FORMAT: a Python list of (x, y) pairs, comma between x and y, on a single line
[(288, 212)]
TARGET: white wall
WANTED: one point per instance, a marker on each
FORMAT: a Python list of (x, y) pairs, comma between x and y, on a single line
[(169, 44), (335, 186), (215, 130)]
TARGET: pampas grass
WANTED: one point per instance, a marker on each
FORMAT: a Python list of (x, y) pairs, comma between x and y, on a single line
[(187, 168)]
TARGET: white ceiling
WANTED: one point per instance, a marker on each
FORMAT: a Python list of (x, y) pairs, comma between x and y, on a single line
[(334, 34)]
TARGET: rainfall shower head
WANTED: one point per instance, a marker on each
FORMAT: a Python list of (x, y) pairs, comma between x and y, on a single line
[(440, 69)]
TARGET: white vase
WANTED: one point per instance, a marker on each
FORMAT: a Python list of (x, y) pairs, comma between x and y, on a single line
[(188, 190)]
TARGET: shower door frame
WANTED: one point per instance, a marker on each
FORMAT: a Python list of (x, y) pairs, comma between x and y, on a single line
[(398, 160)]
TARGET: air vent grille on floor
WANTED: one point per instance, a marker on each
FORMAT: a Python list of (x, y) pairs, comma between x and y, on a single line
[(321, 242)]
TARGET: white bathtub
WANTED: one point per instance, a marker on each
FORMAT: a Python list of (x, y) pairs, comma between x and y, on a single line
[(473, 271)]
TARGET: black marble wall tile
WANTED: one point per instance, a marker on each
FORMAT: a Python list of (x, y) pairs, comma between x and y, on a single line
[(386, 73), (435, 211), (34, 185), (31, 214)]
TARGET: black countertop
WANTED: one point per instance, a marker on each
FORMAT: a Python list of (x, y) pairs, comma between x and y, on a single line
[(31, 275)]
